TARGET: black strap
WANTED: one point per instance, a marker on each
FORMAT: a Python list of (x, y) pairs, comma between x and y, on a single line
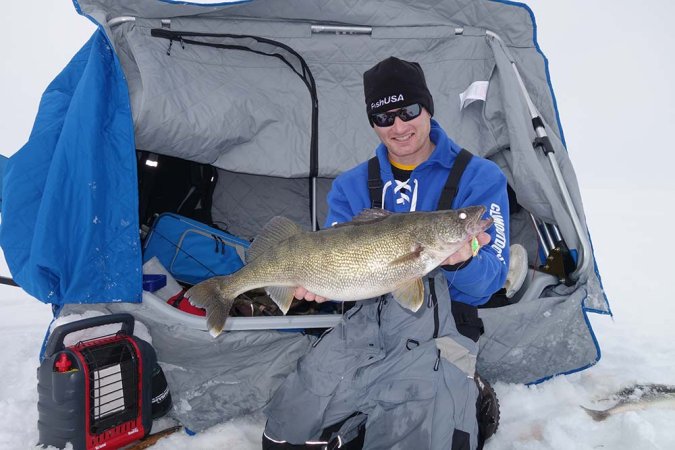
[(450, 188), (374, 183), (434, 299), (450, 192), (466, 316), (466, 319)]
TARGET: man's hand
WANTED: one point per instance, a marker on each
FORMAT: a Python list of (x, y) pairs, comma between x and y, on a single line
[(465, 251), (303, 294)]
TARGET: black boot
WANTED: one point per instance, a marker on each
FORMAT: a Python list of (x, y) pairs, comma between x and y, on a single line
[(331, 437), (487, 410)]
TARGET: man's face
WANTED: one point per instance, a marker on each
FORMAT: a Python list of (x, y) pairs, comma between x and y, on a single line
[(408, 142)]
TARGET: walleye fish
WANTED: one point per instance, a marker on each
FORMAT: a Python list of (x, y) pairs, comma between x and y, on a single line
[(376, 253), (637, 397)]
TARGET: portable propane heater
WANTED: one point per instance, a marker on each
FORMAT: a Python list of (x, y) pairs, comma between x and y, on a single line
[(97, 393)]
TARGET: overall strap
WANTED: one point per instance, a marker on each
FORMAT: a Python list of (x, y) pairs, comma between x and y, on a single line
[(466, 316), (374, 183), (448, 194), (450, 189)]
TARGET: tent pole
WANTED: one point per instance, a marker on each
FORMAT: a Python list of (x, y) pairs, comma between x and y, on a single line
[(540, 130), (542, 242)]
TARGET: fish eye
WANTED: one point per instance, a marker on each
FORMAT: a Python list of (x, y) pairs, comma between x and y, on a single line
[(462, 215)]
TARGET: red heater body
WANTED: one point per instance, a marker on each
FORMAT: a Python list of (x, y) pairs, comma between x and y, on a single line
[(97, 393)]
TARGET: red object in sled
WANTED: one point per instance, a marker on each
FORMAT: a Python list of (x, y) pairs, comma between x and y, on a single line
[(179, 301)]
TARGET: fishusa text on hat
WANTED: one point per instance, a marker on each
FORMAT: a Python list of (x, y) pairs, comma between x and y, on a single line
[(387, 100)]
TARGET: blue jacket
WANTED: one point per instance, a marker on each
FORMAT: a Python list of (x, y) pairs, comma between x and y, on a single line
[(482, 183)]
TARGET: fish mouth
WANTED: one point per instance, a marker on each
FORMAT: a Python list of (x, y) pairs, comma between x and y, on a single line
[(476, 223), (479, 226)]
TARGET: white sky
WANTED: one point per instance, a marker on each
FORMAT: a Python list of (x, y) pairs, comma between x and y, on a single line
[(612, 72), (610, 64)]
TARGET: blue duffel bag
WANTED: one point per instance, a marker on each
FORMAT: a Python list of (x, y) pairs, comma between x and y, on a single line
[(192, 251)]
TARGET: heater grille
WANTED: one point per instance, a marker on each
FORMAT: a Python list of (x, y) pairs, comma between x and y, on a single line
[(112, 369)]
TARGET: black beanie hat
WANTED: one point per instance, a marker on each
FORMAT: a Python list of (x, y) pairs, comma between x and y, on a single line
[(394, 83)]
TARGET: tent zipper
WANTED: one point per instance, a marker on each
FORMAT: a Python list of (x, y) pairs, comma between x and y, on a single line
[(188, 37)]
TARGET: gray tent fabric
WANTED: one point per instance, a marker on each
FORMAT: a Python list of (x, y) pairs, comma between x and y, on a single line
[(243, 203), (513, 349), (206, 104), (249, 113)]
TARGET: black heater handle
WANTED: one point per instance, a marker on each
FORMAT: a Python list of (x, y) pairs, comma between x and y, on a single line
[(55, 342)]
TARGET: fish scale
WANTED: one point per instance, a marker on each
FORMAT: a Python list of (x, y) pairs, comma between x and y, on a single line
[(351, 248), (377, 253)]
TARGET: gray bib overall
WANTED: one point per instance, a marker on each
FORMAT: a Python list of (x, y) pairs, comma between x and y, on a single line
[(383, 360)]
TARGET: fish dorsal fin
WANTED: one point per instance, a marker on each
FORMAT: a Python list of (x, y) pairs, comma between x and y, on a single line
[(276, 230), (372, 214), (596, 414), (282, 296), (365, 217), (410, 295)]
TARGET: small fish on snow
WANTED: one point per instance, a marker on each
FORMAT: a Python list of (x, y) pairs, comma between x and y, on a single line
[(635, 398)]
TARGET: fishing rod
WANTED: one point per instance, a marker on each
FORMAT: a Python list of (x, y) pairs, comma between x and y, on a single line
[(8, 281)]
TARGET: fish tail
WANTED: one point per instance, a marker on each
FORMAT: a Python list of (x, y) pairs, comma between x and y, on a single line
[(597, 415), (216, 296)]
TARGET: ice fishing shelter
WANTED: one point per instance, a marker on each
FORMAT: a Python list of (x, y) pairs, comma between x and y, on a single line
[(270, 94)]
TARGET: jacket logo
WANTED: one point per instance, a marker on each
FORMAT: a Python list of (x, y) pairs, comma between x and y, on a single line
[(500, 239), (387, 100)]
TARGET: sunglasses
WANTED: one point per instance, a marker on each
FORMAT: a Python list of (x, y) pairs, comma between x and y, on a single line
[(386, 119)]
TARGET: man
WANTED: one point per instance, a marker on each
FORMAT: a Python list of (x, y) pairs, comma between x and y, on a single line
[(408, 376)]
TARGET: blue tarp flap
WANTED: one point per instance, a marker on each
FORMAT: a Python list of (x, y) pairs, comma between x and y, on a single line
[(70, 208)]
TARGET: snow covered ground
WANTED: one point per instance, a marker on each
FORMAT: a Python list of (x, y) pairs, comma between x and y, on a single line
[(612, 77)]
